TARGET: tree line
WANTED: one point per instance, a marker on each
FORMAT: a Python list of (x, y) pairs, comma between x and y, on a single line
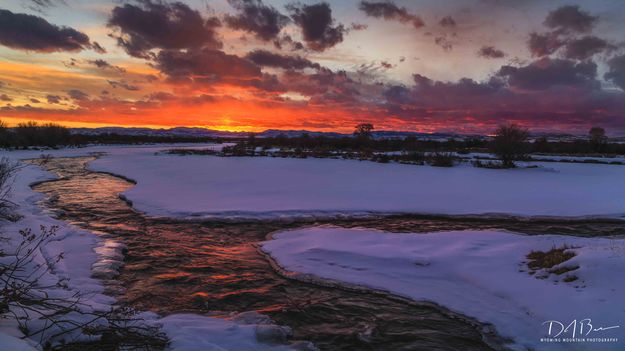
[(32, 134)]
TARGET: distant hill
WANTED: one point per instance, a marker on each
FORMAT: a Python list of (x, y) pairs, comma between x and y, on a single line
[(210, 133), (384, 134)]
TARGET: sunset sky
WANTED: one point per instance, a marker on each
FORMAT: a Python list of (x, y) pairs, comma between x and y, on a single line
[(427, 65)]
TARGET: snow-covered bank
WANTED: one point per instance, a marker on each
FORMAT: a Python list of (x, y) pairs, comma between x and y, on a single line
[(73, 272), (261, 187), (86, 256), (480, 274)]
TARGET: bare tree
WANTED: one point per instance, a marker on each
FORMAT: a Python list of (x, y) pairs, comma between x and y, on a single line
[(597, 138), (509, 144), (363, 130)]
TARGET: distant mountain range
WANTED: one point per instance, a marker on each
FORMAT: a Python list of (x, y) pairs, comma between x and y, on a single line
[(210, 133)]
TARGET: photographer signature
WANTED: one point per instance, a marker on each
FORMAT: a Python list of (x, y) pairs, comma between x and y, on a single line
[(582, 327)]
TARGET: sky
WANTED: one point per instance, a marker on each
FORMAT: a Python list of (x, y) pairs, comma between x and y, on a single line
[(250, 65)]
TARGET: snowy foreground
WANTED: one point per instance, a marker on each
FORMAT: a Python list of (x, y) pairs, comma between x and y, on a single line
[(477, 273), (261, 187), (473, 273), (85, 254)]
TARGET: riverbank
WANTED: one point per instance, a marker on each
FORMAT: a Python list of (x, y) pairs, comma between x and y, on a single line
[(88, 256)]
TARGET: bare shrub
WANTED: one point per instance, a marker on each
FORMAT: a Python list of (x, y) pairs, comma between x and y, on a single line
[(8, 169), (509, 144), (62, 321), (441, 159)]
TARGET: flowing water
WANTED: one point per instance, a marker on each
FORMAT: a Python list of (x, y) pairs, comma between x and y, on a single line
[(208, 267)]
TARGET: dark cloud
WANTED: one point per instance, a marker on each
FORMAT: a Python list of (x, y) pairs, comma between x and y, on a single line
[(398, 94), (153, 24), (255, 17), (358, 26), (42, 5), (5, 97), (31, 33), (572, 99), (97, 48), (286, 40), (34, 101), (319, 84), (122, 84), (373, 71), (105, 65), (160, 96), (546, 73), (204, 66), (444, 43), (391, 12), (100, 63), (616, 72), (78, 95), (421, 81), (544, 44), (53, 99), (490, 52), (448, 22), (269, 59), (317, 25), (570, 18), (585, 47)]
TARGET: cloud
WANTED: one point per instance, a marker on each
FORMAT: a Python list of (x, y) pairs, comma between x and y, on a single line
[(105, 65), (286, 40), (78, 95), (444, 43), (204, 66), (31, 33), (447, 22), (585, 47), (546, 73), (570, 18), (5, 97), (490, 52), (159, 25), (616, 73), (255, 17), (391, 12), (544, 44), (269, 59), (317, 25), (122, 84), (546, 95), (41, 5), (53, 99), (357, 26)]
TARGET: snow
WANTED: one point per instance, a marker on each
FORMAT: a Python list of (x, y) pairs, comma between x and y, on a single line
[(13, 343), (264, 187), (191, 332), (476, 273), (87, 256), (473, 273)]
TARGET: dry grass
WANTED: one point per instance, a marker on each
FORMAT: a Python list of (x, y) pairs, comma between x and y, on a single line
[(547, 260)]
